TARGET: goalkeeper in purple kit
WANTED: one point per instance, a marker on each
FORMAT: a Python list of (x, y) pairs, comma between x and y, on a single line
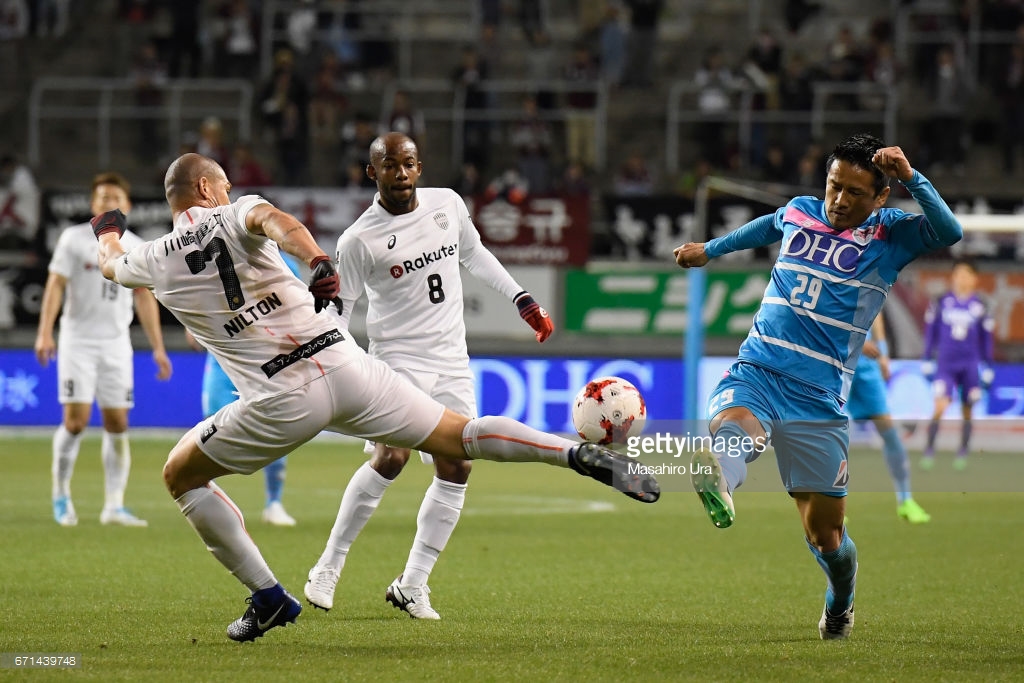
[(957, 355)]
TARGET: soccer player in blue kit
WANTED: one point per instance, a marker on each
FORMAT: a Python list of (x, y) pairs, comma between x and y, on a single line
[(839, 258), (868, 402), (957, 355)]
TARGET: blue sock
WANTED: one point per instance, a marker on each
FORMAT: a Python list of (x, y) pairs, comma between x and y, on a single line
[(734, 448), (840, 567), (273, 476), (268, 596), (898, 463)]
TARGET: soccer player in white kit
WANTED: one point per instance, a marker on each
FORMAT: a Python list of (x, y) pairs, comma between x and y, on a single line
[(220, 274), (405, 251), (94, 354)]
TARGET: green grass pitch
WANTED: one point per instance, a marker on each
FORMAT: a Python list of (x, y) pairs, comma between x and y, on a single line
[(548, 577)]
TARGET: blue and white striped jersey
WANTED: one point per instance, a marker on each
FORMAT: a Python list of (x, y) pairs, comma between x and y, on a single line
[(828, 285)]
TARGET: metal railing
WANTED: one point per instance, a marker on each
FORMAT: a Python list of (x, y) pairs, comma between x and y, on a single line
[(458, 115), (112, 99), (744, 116), (395, 21)]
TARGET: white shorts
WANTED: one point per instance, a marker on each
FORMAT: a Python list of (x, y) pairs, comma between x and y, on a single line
[(453, 392), (364, 398), (95, 369)]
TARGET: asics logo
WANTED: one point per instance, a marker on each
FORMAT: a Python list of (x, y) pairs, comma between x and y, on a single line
[(264, 625), (391, 242)]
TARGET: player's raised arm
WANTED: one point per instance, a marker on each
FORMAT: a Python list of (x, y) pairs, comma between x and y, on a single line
[(941, 228), (108, 228), (759, 232), (294, 238)]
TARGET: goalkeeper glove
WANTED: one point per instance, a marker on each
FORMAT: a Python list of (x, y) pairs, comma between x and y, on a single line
[(534, 315), (986, 376), (324, 284), (109, 221)]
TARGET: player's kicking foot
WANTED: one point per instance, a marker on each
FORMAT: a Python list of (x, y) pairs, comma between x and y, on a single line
[(835, 627), (276, 515), (64, 511), (121, 517), (912, 512), (612, 469), (412, 599), (258, 620), (320, 586), (709, 483)]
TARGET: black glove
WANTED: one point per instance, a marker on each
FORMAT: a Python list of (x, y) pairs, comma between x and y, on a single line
[(324, 284), (109, 221)]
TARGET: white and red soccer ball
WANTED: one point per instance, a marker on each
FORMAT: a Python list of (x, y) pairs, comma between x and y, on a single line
[(609, 410)]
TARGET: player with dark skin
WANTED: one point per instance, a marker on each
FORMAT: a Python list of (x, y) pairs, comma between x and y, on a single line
[(396, 168), (850, 198)]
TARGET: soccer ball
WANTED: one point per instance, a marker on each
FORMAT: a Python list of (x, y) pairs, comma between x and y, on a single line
[(609, 410)]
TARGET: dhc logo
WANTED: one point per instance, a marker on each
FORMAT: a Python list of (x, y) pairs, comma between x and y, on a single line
[(824, 250)]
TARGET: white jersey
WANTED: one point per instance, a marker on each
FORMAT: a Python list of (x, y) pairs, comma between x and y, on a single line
[(408, 266), (234, 293), (94, 307)]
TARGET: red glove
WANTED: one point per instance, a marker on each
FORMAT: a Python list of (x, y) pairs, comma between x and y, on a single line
[(109, 221), (324, 284), (534, 315)]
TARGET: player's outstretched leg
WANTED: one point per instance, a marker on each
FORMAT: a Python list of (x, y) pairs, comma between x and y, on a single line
[(840, 566), (505, 440), (709, 482), (898, 462), (117, 463)]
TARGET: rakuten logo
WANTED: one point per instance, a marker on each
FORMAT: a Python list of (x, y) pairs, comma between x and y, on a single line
[(423, 260)]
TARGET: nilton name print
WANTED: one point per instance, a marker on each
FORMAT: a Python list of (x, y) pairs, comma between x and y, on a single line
[(423, 260), (251, 314)]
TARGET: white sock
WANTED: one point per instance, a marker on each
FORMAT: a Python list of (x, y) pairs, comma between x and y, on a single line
[(65, 453), (117, 462), (439, 513), (219, 522), (361, 498), (505, 440)]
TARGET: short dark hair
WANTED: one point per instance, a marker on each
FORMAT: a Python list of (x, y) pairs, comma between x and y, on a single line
[(111, 178), (968, 262), (858, 150)]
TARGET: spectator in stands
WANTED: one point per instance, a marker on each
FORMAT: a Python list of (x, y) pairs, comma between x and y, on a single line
[(531, 17), (634, 177), (470, 74), (883, 70), (643, 40), (614, 41), (574, 180), (149, 76), (796, 94), (52, 17), (211, 141), (949, 92), (468, 184), (19, 204), (541, 67), (133, 30), (184, 44), (766, 55), (245, 170), (327, 103), (284, 103), (580, 105), (235, 46), (715, 87), (777, 167), (691, 179), (1011, 95), (354, 147), (532, 137), (300, 27), (14, 23), (404, 118), (797, 12)]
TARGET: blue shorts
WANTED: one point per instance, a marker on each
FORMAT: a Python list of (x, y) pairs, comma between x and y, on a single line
[(948, 378), (867, 393), (218, 391), (805, 424)]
